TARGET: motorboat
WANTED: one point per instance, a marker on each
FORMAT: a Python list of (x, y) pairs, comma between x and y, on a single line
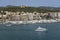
[(40, 29)]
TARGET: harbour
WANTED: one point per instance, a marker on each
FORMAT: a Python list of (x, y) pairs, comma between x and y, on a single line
[(27, 32), (24, 25), (29, 19)]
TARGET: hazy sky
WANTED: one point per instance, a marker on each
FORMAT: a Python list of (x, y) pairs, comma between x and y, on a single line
[(54, 3)]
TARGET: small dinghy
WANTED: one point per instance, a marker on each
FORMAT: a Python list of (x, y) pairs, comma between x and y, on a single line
[(40, 29), (8, 25)]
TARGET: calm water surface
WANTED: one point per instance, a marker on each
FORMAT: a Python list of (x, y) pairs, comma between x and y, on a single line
[(27, 32)]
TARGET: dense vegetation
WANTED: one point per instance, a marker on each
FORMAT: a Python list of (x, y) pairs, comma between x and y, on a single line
[(30, 9)]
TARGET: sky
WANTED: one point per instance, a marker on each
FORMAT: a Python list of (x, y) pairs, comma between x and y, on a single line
[(35, 3)]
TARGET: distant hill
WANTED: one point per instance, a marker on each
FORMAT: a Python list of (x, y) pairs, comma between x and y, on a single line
[(30, 9)]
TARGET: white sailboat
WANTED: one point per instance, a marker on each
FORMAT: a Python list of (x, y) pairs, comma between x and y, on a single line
[(40, 29)]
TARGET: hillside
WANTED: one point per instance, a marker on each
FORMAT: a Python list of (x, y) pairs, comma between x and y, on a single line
[(30, 9)]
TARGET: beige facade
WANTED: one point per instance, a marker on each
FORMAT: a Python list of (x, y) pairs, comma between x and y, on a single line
[(58, 15), (53, 15), (36, 16), (22, 16)]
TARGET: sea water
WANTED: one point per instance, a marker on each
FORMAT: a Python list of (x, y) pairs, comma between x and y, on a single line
[(27, 32)]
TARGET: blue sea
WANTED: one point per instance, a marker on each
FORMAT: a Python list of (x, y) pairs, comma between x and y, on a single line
[(27, 31)]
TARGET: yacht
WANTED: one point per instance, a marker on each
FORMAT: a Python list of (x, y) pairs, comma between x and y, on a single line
[(40, 29)]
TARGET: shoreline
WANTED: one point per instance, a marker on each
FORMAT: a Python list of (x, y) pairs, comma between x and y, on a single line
[(31, 22)]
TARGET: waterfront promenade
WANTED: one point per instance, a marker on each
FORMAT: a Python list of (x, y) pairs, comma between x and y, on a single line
[(26, 17), (31, 22)]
